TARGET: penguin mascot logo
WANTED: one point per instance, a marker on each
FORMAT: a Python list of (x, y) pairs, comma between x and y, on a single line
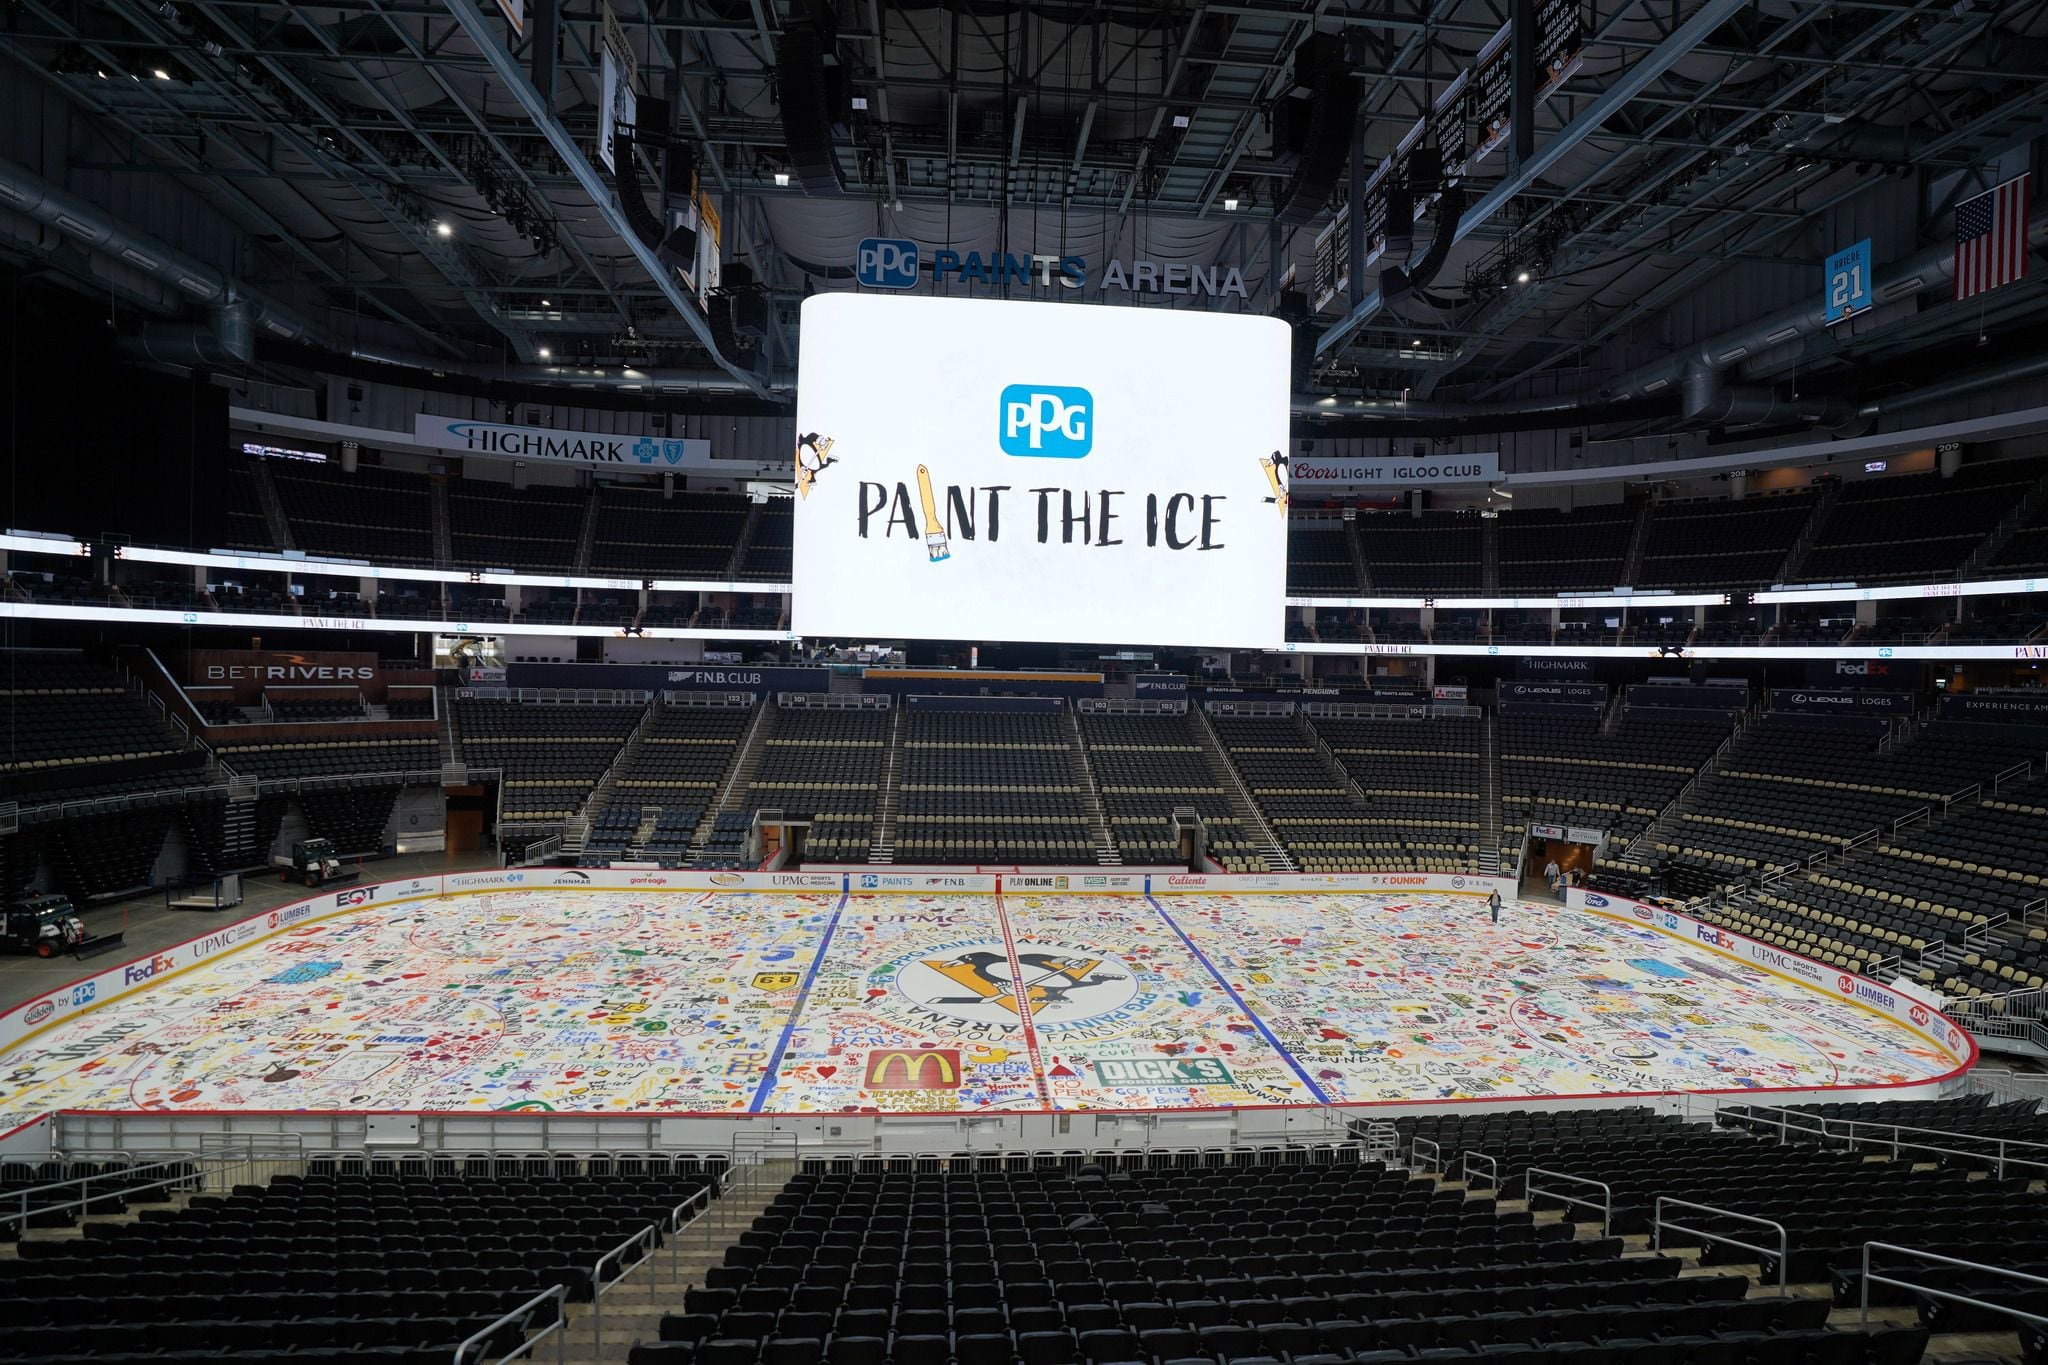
[(813, 455), (1274, 467)]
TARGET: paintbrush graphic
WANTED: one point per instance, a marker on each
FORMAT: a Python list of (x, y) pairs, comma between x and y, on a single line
[(935, 542)]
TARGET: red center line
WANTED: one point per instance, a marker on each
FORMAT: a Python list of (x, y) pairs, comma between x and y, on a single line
[(1021, 995)]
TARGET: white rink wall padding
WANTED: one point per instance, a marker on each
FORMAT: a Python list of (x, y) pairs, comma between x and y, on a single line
[(725, 994)]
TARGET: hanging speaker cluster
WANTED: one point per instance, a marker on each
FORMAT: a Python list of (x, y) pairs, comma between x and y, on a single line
[(810, 82), (1312, 127)]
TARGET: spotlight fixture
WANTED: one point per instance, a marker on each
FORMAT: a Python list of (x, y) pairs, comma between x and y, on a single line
[(545, 304), (444, 228), (782, 179), (860, 103), (1180, 120), (1522, 277), (161, 74), (1230, 204), (1416, 342), (545, 353)]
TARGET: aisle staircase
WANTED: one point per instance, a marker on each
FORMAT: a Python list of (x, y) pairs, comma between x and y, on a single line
[(1802, 545), (586, 533), (1107, 854), (1638, 543), (1489, 554), (744, 542), (1489, 796), (1249, 817), (274, 519), (578, 828), (882, 840), (1357, 554), (746, 761), (444, 538), (635, 1303)]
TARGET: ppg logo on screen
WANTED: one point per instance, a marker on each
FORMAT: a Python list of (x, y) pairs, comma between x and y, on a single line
[(1047, 422), (886, 263)]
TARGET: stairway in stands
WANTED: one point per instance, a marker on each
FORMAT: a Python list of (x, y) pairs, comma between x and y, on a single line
[(882, 841), (444, 538), (746, 761), (659, 1287), (1802, 545), (1638, 543), (1357, 554), (1242, 804), (1489, 792), (1979, 562), (578, 829), (1106, 852), (743, 542), (274, 519)]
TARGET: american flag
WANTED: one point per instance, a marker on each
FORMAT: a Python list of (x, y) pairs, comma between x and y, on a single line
[(1991, 238)]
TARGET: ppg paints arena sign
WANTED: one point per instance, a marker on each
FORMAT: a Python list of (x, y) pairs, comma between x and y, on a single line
[(898, 263)]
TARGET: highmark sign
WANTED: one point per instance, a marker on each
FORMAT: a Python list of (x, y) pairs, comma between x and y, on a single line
[(504, 441), (899, 263)]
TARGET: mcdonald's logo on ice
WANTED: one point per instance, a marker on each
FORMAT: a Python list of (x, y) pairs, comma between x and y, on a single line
[(937, 1069)]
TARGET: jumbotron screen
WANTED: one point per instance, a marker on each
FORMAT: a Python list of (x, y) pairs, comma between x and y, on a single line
[(972, 469)]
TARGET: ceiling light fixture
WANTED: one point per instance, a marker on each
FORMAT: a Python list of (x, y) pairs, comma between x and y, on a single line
[(1522, 278), (162, 74), (1230, 204), (545, 353), (444, 228), (545, 304), (1180, 120), (782, 178)]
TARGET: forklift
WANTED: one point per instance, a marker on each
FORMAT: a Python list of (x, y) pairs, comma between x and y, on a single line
[(43, 925), (315, 864)]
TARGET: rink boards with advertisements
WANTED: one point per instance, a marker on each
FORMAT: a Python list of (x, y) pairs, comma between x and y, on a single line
[(949, 993)]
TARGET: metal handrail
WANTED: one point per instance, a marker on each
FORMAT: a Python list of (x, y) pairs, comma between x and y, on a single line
[(1658, 1225), (196, 1168), (560, 1293), (1845, 1131), (1492, 1164), (1436, 1153), (676, 1223), (1870, 1278), (1529, 1192), (2002, 1143), (651, 1236)]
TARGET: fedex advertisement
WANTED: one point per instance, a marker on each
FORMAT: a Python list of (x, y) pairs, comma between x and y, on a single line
[(1045, 471)]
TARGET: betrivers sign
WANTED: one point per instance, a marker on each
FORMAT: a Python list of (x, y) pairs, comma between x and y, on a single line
[(1436, 472)]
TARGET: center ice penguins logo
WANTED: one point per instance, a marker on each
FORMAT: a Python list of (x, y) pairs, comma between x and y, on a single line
[(1060, 984)]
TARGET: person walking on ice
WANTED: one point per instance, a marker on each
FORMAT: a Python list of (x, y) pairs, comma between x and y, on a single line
[(1493, 903)]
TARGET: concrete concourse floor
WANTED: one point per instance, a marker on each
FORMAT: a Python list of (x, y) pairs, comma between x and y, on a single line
[(151, 926)]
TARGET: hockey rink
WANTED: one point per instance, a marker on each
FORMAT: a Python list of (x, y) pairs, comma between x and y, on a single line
[(732, 1002)]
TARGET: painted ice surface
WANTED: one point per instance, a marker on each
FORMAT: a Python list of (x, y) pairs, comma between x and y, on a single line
[(685, 1002)]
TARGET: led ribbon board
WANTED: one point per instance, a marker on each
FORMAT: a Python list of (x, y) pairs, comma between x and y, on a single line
[(971, 469)]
